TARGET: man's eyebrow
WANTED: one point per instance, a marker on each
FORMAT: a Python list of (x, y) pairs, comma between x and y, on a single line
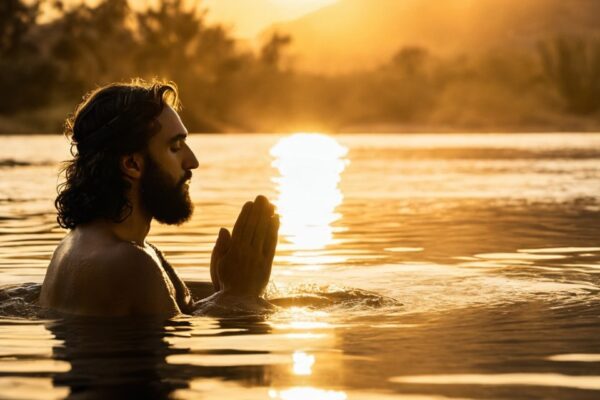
[(177, 137)]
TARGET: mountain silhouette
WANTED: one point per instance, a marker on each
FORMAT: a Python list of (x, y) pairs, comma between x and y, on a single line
[(359, 34)]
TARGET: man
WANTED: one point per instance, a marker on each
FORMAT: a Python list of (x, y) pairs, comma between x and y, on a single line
[(131, 164)]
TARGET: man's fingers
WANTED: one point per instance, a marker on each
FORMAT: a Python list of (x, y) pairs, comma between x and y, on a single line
[(240, 224), (214, 270), (271, 240), (262, 227), (271, 210), (271, 244), (223, 241), (259, 204), (221, 247)]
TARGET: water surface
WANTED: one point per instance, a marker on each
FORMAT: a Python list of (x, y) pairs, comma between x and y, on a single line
[(489, 244)]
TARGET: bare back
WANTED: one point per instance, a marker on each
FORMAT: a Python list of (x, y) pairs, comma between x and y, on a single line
[(92, 273)]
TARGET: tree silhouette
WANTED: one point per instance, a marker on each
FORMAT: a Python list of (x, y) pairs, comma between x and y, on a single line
[(572, 65), (270, 53), (16, 20)]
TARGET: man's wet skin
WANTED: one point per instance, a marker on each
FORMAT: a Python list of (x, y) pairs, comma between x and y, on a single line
[(92, 272), (107, 268)]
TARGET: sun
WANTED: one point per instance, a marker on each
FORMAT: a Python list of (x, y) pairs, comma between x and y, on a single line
[(303, 5)]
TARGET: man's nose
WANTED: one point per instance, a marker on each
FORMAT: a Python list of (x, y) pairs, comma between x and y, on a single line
[(191, 162)]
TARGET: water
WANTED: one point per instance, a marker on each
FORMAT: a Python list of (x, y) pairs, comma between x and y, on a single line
[(487, 243)]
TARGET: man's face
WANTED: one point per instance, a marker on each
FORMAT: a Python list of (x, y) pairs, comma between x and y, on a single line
[(167, 171), (168, 201)]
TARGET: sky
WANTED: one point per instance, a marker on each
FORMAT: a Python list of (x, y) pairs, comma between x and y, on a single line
[(245, 18)]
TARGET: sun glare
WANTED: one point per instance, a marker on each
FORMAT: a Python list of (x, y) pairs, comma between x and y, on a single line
[(302, 393), (303, 363), (310, 167)]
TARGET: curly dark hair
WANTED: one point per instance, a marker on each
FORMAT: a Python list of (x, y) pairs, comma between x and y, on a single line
[(111, 121)]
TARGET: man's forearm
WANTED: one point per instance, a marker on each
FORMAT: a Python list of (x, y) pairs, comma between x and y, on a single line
[(221, 303)]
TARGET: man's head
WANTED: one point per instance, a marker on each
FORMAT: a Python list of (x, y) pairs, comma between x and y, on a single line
[(126, 136), (167, 165)]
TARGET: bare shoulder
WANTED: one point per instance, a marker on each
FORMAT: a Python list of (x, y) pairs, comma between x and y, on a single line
[(140, 273), (123, 259), (104, 277)]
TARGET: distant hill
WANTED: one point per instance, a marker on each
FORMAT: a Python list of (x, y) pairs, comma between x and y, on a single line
[(357, 34)]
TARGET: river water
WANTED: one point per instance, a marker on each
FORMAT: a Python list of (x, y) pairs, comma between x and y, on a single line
[(450, 267)]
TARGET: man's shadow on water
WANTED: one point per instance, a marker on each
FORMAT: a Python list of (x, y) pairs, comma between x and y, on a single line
[(125, 359)]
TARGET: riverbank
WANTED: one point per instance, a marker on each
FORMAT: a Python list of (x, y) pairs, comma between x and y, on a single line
[(50, 120)]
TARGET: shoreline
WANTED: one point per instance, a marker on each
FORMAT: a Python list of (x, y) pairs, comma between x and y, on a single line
[(50, 120)]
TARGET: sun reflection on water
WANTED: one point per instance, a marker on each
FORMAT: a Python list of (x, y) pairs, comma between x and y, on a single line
[(302, 363), (302, 393), (310, 167), (302, 319)]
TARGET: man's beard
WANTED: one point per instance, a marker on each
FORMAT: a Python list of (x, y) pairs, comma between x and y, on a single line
[(168, 202)]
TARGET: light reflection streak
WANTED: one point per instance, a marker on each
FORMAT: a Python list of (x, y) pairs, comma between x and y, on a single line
[(303, 325), (306, 392), (305, 335), (302, 319), (12, 365), (519, 256), (310, 167), (575, 357), (553, 250), (302, 363), (588, 382), (16, 387)]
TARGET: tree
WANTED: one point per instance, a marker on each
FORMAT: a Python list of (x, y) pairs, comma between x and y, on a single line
[(16, 20), (23, 73), (166, 36), (93, 45), (270, 53), (572, 66), (411, 61)]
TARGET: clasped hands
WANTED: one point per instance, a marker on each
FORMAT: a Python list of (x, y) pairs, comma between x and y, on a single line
[(241, 261)]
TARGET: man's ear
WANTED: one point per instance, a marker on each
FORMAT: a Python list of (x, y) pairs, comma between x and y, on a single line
[(132, 165)]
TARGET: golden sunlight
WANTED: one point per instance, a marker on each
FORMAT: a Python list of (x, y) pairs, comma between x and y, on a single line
[(301, 7), (303, 319), (310, 167), (249, 18), (301, 393), (303, 363)]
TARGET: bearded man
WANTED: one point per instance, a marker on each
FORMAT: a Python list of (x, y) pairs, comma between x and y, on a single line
[(131, 164)]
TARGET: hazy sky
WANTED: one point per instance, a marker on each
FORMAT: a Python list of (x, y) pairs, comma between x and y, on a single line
[(250, 17), (246, 18)]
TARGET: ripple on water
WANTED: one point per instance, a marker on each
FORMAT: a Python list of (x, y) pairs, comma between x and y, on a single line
[(575, 357), (559, 250), (589, 382), (487, 241)]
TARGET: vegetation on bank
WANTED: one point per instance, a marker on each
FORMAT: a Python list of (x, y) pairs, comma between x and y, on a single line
[(46, 68)]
